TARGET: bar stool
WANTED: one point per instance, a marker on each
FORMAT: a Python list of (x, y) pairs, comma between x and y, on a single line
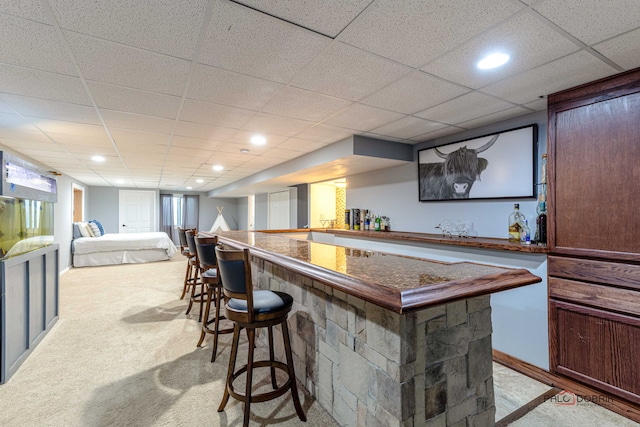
[(252, 310), (205, 248), (197, 297), (184, 250)]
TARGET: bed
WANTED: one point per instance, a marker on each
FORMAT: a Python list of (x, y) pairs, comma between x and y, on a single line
[(122, 248)]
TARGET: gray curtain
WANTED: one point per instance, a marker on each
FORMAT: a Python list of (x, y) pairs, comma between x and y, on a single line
[(166, 216), (190, 211)]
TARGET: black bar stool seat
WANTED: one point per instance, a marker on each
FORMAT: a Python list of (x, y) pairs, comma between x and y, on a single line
[(252, 310)]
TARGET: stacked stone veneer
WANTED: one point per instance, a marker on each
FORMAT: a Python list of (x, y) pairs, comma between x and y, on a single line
[(369, 366)]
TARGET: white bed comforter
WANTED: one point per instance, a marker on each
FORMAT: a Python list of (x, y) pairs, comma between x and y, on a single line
[(124, 241)]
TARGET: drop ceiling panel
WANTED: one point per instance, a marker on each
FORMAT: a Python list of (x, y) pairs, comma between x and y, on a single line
[(327, 17), (276, 125), (42, 108), (199, 130), (279, 52), (346, 72), (304, 105), (592, 21), (75, 139), (464, 108), (243, 137), (282, 154), (183, 141), (414, 92), (362, 117), (20, 134), (495, 117), (325, 133), (124, 137), (448, 130), (70, 128), (120, 65), (29, 9), (407, 127), (44, 146), (528, 41), (233, 89), (134, 101), (136, 23), (567, 72), (32, 44), (300, 145), (119, 119), (421, 30), (623, 50), (41, 84), (9, 120), (215, 114)]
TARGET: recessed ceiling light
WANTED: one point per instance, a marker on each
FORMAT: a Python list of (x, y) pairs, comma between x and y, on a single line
[(492, 61), (119, 181), (258, 140), (199, 181), (244, 150), (98, 159), (218, 168), (189, 188)]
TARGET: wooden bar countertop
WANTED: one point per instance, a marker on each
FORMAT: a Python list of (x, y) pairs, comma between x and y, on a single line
[(395, 282)]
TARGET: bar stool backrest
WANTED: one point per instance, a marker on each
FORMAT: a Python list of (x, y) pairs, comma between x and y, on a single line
[(205, 248), (183, 238), (191, 243), (234, 271)]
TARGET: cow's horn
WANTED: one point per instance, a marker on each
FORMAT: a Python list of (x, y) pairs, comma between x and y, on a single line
[(440, 154), (487, 145)]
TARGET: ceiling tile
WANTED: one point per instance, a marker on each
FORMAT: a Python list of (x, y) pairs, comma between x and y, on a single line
[(71, 128), (537, 105), (42, 108), (74, 139), (282, 154), (19, 134), (325, 134), (199, 130), (41, 84), (10, 120), (134, 101), (407, 127), (327, 17), (467, 107), (347, 72), (124, 137), (249, 42), (120, 65), (244, 137), (44, 146), (119, 119), (300, 145), (421, 30), (495, 117), (591, 21), (32, 44), (215, 114), (276, 125), (183, 141), (29, 9), (233, 89), (362, 117), (414, 92), (575, 69), (528, 41), (304, 105), (448, 130), (136, 23), (623, 50)]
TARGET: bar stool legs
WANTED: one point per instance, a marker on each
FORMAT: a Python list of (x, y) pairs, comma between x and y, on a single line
[(247, 397), (214, 296)]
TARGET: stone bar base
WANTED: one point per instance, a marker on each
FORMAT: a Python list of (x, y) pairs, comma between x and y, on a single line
[(369, 366)]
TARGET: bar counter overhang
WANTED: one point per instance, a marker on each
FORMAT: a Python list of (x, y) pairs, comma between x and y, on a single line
[(381, 338)]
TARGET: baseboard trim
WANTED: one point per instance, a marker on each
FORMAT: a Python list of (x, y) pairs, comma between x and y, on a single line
[(613, 403)]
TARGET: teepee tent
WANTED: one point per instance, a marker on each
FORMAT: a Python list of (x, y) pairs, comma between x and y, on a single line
[(219, 223)]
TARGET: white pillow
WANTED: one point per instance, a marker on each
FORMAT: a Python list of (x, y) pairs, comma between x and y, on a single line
[(95, 231), (85, 231)]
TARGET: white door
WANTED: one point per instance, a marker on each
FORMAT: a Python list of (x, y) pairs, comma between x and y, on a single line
[(251, 214), (279, 210), (137, 211)]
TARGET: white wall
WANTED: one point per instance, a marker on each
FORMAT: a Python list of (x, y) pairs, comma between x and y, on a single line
[(394, 192)]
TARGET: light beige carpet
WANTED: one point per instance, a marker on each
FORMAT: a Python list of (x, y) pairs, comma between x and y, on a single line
[(124, 354)]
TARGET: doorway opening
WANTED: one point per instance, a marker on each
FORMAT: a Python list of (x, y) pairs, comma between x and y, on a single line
[(77, 207)]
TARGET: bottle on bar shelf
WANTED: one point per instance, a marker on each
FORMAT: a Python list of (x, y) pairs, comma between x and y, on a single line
[(516, 222)]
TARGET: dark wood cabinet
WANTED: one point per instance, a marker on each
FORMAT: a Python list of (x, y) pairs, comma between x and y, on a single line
[(594, 247)]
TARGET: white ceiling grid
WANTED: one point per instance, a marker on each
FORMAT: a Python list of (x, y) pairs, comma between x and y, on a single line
[(165, 90)]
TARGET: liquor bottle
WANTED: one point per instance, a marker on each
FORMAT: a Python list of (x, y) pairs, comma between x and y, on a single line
[(347, 219), (377, 222), (525, 234), (541, 208), (516, 220)]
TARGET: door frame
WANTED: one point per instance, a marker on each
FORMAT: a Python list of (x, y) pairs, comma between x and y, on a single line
[(153, 208), (74, 189)]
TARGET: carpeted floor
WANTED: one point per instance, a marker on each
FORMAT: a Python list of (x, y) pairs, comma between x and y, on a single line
[(124, 354)]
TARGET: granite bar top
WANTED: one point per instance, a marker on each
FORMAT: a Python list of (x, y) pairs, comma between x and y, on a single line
[(398, 283)]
